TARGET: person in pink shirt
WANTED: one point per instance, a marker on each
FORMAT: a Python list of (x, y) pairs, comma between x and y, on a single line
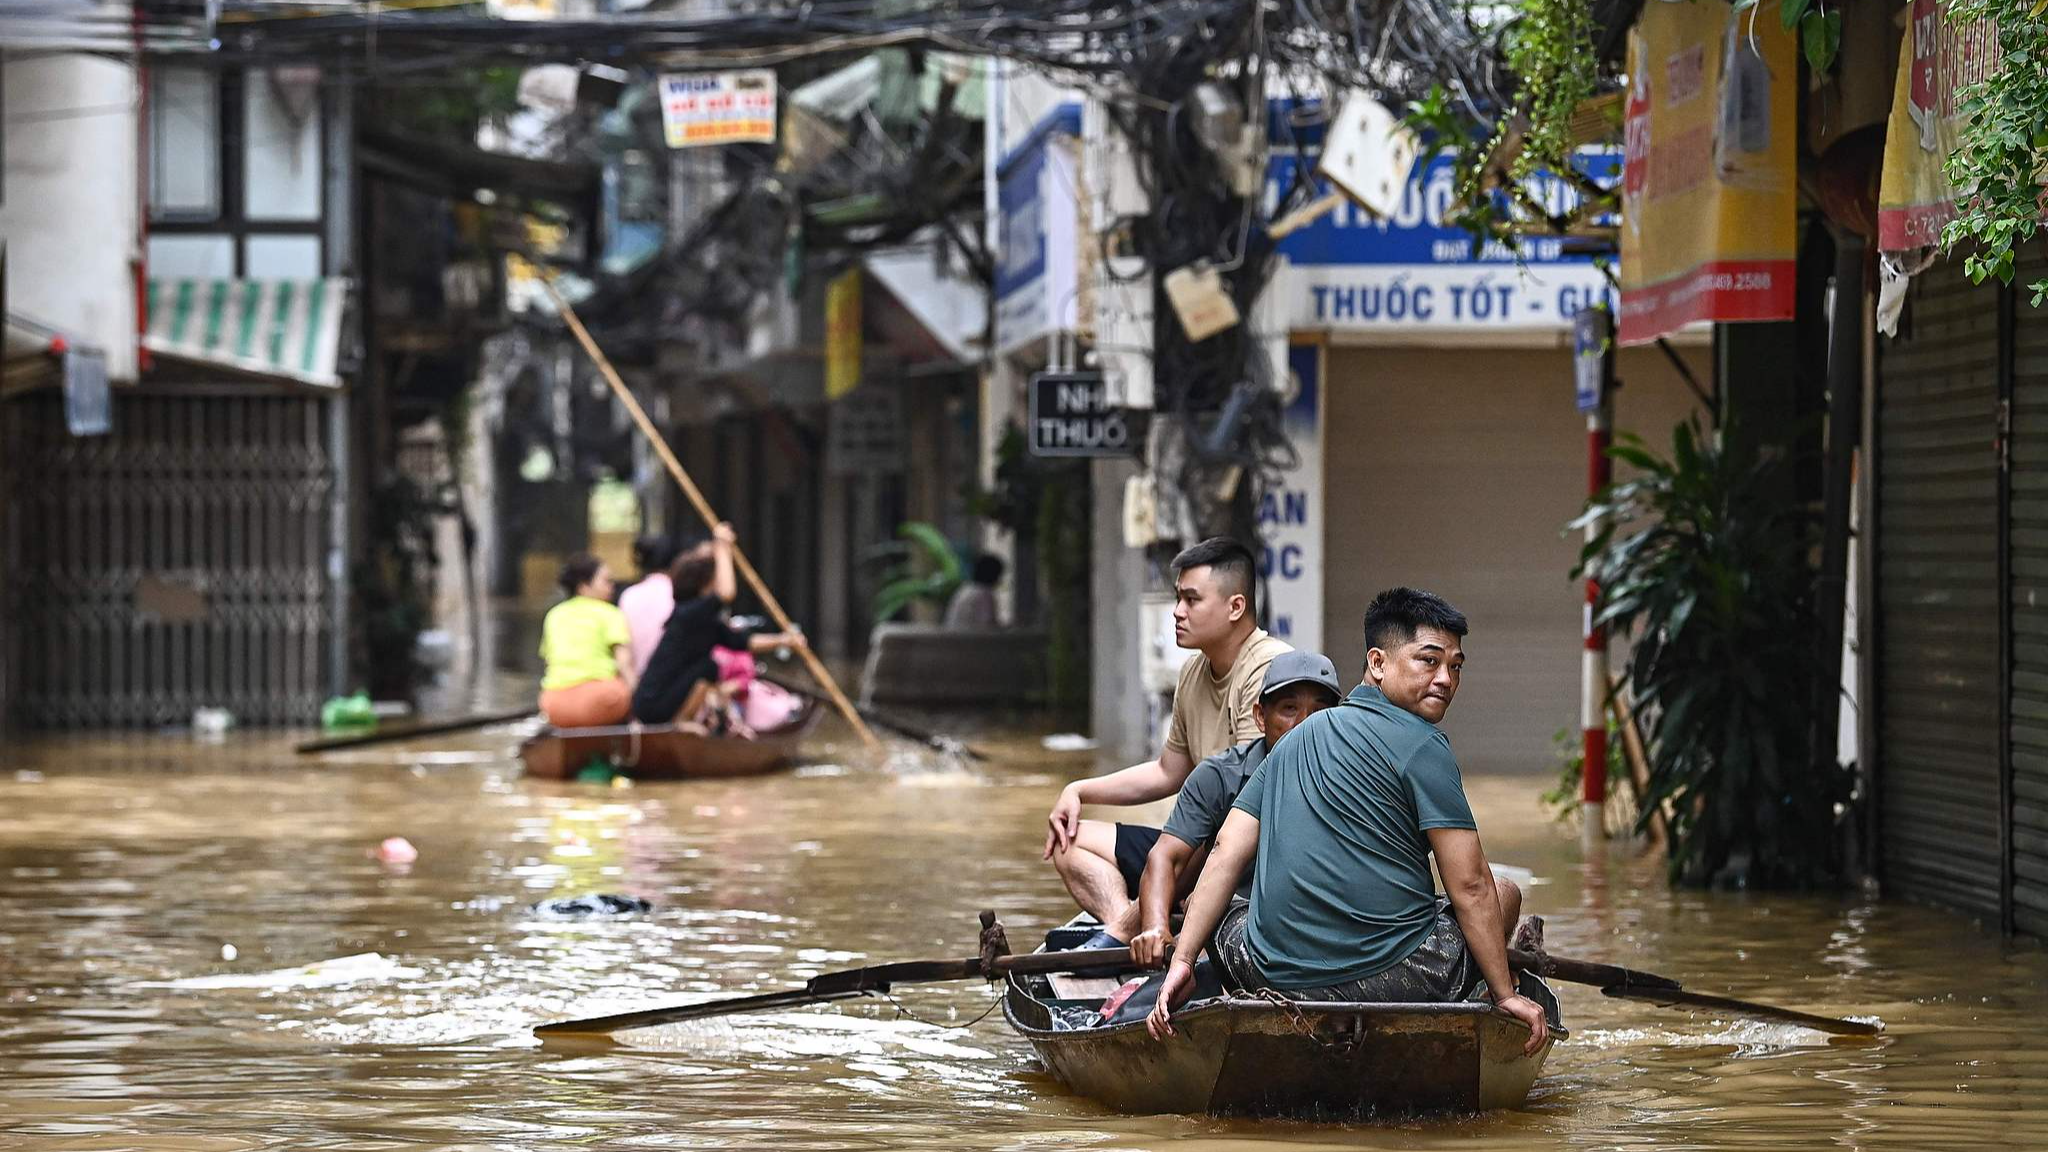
[(648, 602)]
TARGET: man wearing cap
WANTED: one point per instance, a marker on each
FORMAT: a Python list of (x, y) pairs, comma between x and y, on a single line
[(1297, 685)]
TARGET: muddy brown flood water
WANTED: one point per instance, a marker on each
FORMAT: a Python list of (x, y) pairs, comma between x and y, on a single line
[(130, 871)]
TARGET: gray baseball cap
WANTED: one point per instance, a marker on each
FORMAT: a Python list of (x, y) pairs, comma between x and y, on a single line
[(1296, 667)]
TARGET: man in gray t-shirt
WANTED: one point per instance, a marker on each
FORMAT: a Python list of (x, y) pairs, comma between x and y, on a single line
[(1296, 685)]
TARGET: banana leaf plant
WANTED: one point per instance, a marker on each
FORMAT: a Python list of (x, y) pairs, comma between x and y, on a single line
[(928, 568), (1707, 566)]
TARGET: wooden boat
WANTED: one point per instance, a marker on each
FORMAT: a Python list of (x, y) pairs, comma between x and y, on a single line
[(665, 752), (1233, 1055)]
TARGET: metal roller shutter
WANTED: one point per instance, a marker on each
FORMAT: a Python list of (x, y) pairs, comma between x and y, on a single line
[(1939, 676), (2027, 537), (179, 562)]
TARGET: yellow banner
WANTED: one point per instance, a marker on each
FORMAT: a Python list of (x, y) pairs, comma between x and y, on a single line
[(1709, 199), (1938, 59), (842, 334)]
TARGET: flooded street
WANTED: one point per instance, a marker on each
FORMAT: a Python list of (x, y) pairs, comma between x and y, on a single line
[(147, 887)]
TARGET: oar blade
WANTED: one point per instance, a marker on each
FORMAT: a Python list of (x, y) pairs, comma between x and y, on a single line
[(1676, 997)]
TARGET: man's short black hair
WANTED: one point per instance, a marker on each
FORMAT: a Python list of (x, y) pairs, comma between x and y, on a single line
[(1396, 615), (1231, 562), (988, 570)]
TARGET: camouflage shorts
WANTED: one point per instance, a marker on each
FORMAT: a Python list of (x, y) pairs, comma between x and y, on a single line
[(1438, 971)]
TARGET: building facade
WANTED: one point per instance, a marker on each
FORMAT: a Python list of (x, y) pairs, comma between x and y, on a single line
[(180, 539)]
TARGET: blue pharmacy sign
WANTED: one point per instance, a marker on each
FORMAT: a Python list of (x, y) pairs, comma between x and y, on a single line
[(1290, 514), (1416, 273)]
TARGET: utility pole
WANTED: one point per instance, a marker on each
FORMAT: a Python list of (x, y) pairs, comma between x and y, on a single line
[(1593, 379)]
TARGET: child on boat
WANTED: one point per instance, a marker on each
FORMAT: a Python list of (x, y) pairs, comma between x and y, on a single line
[(682, 684), (584, 640)]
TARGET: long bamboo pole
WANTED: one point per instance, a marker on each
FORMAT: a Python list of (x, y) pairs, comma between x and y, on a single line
[(675, 468)]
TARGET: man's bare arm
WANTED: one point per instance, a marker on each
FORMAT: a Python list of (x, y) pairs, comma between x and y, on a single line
[(1164, 868), (1468, 882), (1138, 784), (1236, 843)]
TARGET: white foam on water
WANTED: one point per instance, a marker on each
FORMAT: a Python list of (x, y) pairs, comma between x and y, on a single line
[(1747, 1037), (319, 974)]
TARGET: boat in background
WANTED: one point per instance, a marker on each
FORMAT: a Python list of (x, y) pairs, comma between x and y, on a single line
[(665, 752), (1238, 1056)]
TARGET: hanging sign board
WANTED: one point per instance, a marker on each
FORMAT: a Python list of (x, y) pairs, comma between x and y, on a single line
[(1709, 198), (1592, 330), (842, 334), (88, 401), (1037, 275), (1071, 416), (1939, 59), (699, 108)]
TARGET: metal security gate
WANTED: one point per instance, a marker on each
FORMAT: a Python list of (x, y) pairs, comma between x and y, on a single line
[(179, 563), (2027, 539), (1940, 663)]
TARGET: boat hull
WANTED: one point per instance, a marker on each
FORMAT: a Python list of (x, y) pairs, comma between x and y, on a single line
[(663, 752), (1255, 1057)]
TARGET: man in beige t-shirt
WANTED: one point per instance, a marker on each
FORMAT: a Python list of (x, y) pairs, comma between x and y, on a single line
[(1214, 614)]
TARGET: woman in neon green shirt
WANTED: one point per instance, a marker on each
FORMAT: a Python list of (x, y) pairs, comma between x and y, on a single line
[(588, 649)]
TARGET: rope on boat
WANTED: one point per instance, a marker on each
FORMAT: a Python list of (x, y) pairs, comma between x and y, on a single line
[(901, 1011)]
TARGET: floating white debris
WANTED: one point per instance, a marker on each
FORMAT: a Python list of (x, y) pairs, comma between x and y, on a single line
[(320, 974), (1067, 742)]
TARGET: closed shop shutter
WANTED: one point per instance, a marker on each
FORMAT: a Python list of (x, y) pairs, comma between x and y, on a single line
[(1938, 669), (2027, 537), (178, 563), (1457, 471)]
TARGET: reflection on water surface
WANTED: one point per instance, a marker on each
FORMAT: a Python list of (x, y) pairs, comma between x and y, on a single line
[(129, 870)]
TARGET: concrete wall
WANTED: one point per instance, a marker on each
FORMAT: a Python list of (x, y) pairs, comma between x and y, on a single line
[(71, 201), (1456, 472)]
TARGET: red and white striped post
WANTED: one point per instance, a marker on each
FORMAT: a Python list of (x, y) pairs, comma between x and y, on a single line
[(1593, 377)]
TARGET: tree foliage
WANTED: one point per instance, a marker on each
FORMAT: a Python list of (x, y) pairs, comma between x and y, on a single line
[(1550, 51), (2001, 156)]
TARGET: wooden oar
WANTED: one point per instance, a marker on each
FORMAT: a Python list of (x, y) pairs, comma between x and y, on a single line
[(1629, 984), (817, 669), (856, 982), (409, 731)]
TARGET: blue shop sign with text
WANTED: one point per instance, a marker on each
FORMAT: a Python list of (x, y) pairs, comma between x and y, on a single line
[(1417, 272)]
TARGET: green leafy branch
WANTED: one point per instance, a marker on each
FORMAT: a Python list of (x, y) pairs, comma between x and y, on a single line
[(1549, 47), (2001, 151), (1819, 26), (1551, 50)]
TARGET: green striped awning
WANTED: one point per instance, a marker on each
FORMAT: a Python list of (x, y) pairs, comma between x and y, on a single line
[(289, 328)]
